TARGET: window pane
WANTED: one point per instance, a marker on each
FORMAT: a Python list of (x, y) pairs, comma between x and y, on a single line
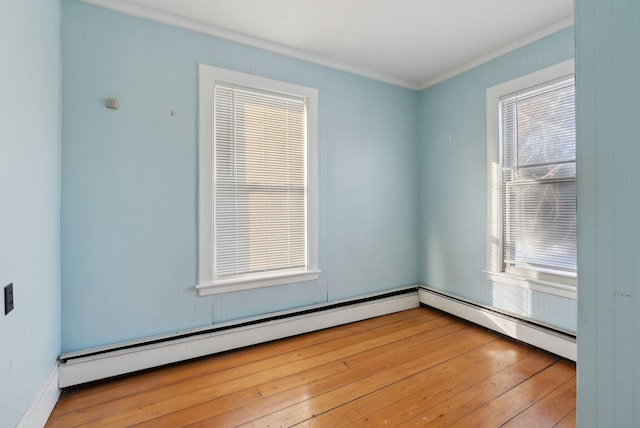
[(538, 174), (260, 195), (540, 226), (546, 127)]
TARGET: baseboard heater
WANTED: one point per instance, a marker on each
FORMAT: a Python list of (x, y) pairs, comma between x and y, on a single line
[(105, 362), (545, 337)]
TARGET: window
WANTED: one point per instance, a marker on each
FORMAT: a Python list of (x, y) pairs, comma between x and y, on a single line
[(533, 180), (257, 182), (538, 166)]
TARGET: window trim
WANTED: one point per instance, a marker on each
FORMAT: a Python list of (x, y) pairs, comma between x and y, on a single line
[(560, 285), (207, 285)]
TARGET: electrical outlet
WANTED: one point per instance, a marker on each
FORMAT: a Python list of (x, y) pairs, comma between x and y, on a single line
[(8, 298)]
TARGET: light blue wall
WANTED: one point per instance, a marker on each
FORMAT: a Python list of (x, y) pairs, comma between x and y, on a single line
[(453, 184), (129, 180), (29, 197), (608, 101)]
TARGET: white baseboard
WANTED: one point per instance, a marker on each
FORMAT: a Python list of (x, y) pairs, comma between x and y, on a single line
[(101, 363), (538, 336), (90, 365), (40, 409)]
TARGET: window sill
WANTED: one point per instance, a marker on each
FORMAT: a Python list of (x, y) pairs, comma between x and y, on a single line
[(241, 284), (560, 289)]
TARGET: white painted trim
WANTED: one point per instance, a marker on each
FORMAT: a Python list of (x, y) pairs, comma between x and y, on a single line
[(78, 369), (41, 407), (106, 348), (246, 283), (538, 336), (551, 284), (205, 175), (565, 23), (200, 27), (208, 283), (534, 284)]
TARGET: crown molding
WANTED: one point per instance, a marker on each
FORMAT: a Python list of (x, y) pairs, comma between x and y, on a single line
[(565, 23), (128, 8), (201, 27)]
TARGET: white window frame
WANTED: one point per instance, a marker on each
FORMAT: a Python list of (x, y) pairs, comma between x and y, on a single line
[(560, 285), (207, 284)]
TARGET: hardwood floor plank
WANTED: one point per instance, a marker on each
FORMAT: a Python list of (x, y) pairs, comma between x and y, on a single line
[(210, 385), (149, 380), (326, 401), (503, 408), (405, 369), (434, 384), (549, 410), (438, 328), (431, 330), (432, 402), (568, 421), (139, 383), (445, 413), (295, 395), (217, 406), (299, 394)]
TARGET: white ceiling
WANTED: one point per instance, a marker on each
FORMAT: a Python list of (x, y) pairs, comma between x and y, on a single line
[(410, 41)]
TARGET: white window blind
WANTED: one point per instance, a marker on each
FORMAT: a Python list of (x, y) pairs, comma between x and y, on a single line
[(259, 182), (538, 143)]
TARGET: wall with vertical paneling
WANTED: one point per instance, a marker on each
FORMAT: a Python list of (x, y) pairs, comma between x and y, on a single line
[(452, 223), (29, 200), (129, 180), (608, 107)]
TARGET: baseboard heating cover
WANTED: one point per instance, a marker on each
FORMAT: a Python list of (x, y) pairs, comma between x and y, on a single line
[(555, 341), (101, 363)]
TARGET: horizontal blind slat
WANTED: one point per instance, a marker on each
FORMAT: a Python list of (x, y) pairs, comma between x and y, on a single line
[(538, 170), (260, 194)]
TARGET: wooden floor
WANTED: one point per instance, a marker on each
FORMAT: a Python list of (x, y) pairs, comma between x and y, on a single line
[(414, 368)]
